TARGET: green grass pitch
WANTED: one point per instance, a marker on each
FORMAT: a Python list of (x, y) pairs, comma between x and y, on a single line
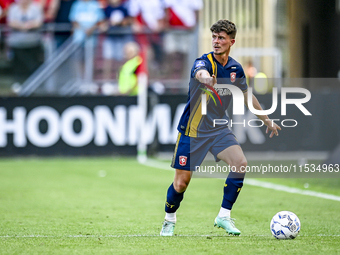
[(116, 206)]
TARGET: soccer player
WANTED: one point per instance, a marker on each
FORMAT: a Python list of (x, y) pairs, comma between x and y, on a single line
[(197, 135)]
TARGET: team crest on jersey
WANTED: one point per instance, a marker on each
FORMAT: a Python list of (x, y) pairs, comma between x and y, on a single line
[(182, 160), (233, 77)]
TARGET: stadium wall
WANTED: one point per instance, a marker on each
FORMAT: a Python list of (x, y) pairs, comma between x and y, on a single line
[(314, 28), (51, 126)]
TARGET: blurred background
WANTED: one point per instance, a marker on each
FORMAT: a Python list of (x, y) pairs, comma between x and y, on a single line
[(110, 77)]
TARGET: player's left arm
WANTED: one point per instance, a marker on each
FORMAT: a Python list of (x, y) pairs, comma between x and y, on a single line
[(273, 127)]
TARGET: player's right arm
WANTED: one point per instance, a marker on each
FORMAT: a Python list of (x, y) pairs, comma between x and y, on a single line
[(203, 76)]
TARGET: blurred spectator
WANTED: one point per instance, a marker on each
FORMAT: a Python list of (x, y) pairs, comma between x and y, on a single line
[(261, 85), (62, 19), (49, 8), (117, 19), (85, 16), (250, 72), (149, 15), (183, 15), (25, 17), (4, 5), (180, 15), (127, 79), (102, 3), (256, 79)]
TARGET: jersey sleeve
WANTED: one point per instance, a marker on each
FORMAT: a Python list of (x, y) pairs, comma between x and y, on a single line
[(200, 64), (242, 81)]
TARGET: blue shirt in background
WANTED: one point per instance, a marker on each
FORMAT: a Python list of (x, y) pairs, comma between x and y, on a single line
[(86, 14)]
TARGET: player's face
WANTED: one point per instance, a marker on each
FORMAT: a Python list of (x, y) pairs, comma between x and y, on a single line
[(221, 43)]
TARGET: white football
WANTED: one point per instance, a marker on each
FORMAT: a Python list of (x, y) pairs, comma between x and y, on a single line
[(285, 225)]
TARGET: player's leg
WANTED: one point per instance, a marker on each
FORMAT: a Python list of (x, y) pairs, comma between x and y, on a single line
[(227, 148), (189, 152), (181, 180), (176, 192), (235, 158), (174, 198)]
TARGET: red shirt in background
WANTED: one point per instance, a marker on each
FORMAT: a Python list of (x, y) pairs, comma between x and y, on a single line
[(4, 5), (174, 20)]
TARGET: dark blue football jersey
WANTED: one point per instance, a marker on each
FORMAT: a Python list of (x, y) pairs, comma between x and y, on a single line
[(192, 122)]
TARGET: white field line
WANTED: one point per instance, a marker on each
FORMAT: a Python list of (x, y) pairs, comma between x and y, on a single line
[(268, 185), (157, 164), (106, 236), (143, 235)]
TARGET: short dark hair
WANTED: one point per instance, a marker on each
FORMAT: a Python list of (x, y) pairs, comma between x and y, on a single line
[(226, 26)]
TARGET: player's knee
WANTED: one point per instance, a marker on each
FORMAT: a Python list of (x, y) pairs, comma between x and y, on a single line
[(180, 185), (241, 164)]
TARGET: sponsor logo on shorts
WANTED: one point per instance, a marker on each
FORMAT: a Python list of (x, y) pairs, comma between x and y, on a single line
[(182, 160)]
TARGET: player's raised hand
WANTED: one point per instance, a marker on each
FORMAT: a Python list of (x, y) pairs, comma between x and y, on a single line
[(273, 127)]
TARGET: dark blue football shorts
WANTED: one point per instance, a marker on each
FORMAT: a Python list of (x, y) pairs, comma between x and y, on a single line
[(190, 151)]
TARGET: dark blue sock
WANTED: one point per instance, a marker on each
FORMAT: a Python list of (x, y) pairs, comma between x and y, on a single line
[(173, 200), (232, 188)]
